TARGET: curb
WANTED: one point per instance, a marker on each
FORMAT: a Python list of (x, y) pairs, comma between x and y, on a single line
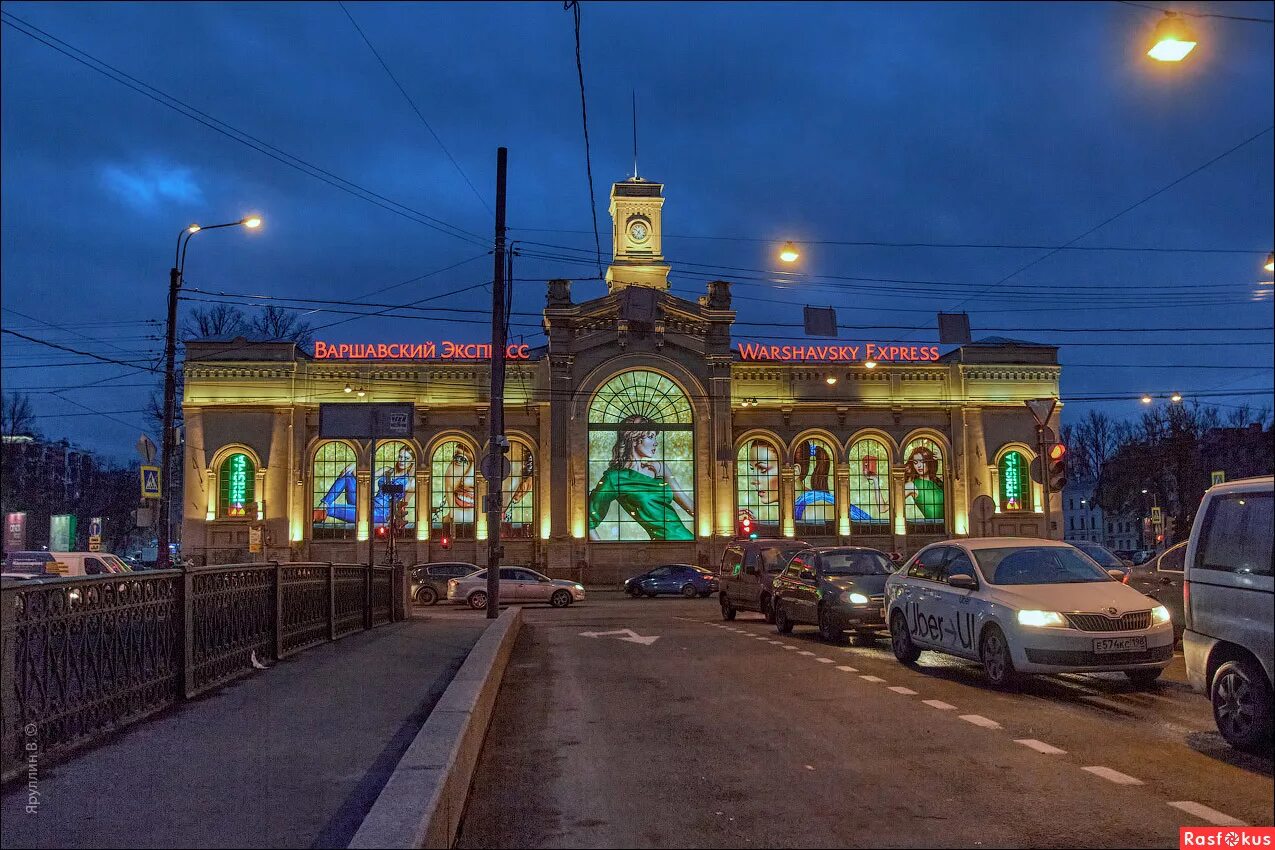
[(424, 798)]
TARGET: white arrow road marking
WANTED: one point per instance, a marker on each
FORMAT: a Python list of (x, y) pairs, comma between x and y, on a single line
[(631, 636)]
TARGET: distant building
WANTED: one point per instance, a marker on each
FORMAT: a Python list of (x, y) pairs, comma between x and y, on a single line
[(1238, 452), (44, 477), (1082, 518)]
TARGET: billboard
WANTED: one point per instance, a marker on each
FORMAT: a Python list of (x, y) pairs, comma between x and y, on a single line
[(15, 531), (62, 533)]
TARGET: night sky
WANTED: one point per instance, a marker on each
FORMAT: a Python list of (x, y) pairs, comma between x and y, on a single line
[(1002, 124)]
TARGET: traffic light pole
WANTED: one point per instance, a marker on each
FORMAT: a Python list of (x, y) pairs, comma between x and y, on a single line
[(495, 466), (1044, 477)]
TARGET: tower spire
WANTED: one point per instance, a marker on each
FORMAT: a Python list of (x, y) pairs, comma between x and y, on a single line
[(635, 149)]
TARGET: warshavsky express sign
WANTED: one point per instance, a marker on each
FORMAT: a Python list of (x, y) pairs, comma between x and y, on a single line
[(468, 351), (837, 353)]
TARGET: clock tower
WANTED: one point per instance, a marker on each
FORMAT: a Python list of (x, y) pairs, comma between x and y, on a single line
[(636, 232)]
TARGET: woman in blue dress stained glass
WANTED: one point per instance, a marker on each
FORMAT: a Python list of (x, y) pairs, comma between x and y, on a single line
[(341, 501), (814, 502)]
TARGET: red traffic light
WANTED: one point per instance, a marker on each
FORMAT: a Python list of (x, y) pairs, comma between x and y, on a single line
[(380, 531), (445, 542), (1056, 451)]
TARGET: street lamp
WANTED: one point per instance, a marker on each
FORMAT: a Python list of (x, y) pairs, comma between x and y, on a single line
[(789, 253), (1172, 39), (1146, 399), (163, 561), (1175, 398), (1270, 262)]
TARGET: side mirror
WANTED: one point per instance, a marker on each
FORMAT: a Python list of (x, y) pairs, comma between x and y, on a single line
[(1118, 575), (962, 581)]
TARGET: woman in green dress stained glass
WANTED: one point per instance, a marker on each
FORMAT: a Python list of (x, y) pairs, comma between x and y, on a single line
[(922, 485), (640, 482)]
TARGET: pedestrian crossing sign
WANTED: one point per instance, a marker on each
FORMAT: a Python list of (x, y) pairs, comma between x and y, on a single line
[(150, 482)]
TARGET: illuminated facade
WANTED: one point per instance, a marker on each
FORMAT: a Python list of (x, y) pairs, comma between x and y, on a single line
[(639, 434)]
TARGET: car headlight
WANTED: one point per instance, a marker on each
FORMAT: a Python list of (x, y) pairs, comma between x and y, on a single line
[(1041, 619), (579, 586), (1159, 615), (854, 598)]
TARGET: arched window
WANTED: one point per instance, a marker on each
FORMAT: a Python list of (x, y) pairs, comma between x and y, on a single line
[(757, 472), (237, 488), (395, 466), (1016, 488), (924, 503), (814, 509), (869, 487), (336, 505), (519, 494), (641, 460), (452, 490)]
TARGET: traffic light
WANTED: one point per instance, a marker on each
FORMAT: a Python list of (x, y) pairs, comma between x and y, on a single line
[(746, 529), (1057, 467), (445, 542), (381, 532)]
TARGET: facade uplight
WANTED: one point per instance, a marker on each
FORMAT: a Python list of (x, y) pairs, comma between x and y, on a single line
[(869, 364), (1172, 40), (830, 380), (349, 389)]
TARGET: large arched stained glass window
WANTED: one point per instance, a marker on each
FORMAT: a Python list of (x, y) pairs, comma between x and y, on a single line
[(924, 505), (519, 494), (336, 505), (641, 460), (1015, 486), (395, 466), (452, 491), (869, 487), (237, 488), (814, 510), (757, 472)]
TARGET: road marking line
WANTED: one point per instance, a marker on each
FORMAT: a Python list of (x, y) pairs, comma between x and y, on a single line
[(805, 652), (872, 678), (786, 646), (824, 660), (980, 720), (939, 704), (1040, 746), (1112, 775), (846, 669), (899, 689), (1202, 812)]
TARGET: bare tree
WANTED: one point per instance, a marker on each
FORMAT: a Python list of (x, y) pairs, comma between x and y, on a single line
[(218, 321), (17, 414), (276, 323)]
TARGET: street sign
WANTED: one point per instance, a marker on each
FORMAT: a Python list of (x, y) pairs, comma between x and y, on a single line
[(1041, 408), (1155, 515), (495, 467), (821, 321), (146, 449), (95, 543), (150, 482), (143, 517), (1217, 476), (95, 527), (365, 420), (254, 538)]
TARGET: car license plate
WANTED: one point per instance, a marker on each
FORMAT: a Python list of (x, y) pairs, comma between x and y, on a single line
[(1124, 644)]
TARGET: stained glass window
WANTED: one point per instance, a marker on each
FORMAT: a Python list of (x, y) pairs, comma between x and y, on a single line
[(519, 494), (923, 487), (1016, 494), (869, 487), (453, 491), (814, 510), (757, 473), (237, 488), (641, 460), (335, 493), (395, 464)]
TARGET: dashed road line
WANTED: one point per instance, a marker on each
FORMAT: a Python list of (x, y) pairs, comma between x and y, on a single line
[(939, 704), (980, 720), (1112, 775), (899, 689), (872, 678), (824, 660), (1203, 812), (805, 652), (786, 646), (1040, 746), (846, 669)]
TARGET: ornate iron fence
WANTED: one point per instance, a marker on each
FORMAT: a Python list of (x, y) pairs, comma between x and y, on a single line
[(84, 656)]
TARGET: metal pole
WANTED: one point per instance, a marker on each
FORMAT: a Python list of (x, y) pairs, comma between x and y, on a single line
[(170, 402), (1044, 476), (497, 416)]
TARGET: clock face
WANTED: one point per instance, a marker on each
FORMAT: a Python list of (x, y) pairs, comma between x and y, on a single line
[(638, 231)]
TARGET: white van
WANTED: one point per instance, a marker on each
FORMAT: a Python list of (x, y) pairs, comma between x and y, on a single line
[(1229, 607), (28, 565)]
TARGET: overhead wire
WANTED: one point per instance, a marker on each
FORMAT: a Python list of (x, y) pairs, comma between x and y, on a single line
[(573, 6)]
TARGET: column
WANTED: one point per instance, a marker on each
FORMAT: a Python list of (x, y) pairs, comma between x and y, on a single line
[(896, 507), (363, 532), (842, 495), (960, 479), (422, 504), (787, 489)]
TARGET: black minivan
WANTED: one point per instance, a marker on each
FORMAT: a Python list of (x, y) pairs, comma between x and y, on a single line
[(748, 572)]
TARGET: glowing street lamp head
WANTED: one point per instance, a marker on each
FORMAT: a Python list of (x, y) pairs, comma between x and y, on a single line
[(1270, 262), (1172, 40), (252, 222), (194, 228), (1175, 398), (1146, 399), (789, 253)]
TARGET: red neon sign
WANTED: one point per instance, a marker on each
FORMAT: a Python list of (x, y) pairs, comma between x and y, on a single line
[(837, 353), (444, 350)]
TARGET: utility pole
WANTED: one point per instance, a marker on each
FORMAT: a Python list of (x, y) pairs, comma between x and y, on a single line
[(162, 559), (496, 437), (1043, 453)]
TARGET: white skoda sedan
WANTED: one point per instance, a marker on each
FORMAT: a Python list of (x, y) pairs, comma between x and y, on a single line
[(1025, 606)]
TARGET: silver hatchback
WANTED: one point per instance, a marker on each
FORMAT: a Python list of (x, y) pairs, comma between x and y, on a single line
[(518, 585)]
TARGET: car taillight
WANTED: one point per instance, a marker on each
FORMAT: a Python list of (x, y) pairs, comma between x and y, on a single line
[(1125, 580)]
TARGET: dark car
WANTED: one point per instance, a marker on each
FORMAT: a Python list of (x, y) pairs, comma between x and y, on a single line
[(837, 588), (1106, 559), (429, 581), (689, 581), (1163, 583), (748, 570)]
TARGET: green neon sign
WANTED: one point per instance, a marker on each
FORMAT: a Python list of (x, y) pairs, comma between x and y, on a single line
[(1012, 481), (237, 494)]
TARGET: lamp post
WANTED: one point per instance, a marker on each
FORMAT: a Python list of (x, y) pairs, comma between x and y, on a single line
[(163, 561)]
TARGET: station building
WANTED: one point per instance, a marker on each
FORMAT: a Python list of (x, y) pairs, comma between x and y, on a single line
[(641, 433)]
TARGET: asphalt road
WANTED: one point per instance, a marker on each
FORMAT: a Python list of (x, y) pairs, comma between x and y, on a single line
[(729, 735)]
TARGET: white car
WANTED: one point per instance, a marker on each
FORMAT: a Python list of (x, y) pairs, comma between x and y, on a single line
[(1021, 605), (518, 585)]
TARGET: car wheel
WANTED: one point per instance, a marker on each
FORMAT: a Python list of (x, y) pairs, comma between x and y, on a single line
[(689, 591), (783, 625), (1144, 677), (901, 640), (560, 599), (426, 596), (827, 630), (651, 594), (998, 665), (635, 591), (478, 600), (767, 609), (1242, 704), (728, 610)]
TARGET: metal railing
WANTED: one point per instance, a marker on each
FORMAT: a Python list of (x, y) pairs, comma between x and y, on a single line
[(84, 656)]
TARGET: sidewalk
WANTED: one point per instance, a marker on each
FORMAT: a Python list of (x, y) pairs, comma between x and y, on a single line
[(289, 757)]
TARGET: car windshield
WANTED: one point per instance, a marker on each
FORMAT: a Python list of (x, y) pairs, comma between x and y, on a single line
[(855, 564), (1038, 565), (1101, 554), (775, 558)]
